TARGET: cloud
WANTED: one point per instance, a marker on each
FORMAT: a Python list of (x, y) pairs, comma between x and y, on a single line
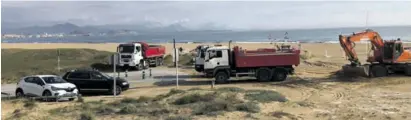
[(232, 15)]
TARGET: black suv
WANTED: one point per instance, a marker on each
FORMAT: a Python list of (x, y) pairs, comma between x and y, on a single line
[(87, 79)]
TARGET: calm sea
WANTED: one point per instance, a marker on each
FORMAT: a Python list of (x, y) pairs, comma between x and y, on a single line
[(307, 35)]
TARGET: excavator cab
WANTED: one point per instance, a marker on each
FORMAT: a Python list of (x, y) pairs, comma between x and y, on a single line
[(392, 50)]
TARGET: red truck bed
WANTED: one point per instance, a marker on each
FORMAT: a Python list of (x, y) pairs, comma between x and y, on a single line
[(266, 57), (153, 50)]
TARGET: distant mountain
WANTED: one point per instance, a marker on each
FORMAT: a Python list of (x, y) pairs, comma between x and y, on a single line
[(57, 28), (146, 27)]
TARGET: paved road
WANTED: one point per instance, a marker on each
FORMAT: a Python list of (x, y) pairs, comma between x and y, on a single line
[(134, 77)]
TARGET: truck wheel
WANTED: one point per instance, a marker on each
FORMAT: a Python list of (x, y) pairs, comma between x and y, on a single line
[(221, 77), (279, 74), (140, 65), (147, 64), (158, 62), (155, 63), (408, 70), (378, 71), (263, 74)]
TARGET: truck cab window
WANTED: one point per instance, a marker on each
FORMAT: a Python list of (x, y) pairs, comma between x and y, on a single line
[(202, 55), (215, 54), (219, 54), (138, 48), (126, 49)]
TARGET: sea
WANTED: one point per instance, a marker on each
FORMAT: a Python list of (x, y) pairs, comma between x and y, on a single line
[(328, 35)]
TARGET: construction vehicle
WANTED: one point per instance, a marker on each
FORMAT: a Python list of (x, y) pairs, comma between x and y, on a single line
[(140, 55), (388, 56), (265, 64)]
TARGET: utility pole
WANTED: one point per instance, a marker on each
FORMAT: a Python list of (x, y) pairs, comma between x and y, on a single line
[(175, 60), (366, 27), (58, 59), (114, 74)]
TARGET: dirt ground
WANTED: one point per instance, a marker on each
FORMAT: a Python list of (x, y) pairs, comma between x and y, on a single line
[(316, 92)]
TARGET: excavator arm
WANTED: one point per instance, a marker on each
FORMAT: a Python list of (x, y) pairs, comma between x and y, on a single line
[(348, 44)]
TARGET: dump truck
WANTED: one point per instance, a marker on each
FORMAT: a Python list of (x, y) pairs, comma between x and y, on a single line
[(388, 56), (265, 64), (140, 55)]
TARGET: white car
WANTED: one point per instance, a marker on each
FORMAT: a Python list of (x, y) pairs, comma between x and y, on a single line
[(46, 85)]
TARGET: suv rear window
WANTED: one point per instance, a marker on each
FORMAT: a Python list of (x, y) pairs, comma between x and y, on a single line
[(79, 75), (28, 80)]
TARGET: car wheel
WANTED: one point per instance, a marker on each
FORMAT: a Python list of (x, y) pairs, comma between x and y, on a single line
[(118, 90), (19, 93), (48, 94), (71, 99)]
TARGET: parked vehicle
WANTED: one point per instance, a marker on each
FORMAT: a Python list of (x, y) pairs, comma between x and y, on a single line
[(265, 64), (140, 55), (87, 80), (388, 56), (46, 85)]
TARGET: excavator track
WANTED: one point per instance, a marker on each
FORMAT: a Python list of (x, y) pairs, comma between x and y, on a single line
[(356, 71)]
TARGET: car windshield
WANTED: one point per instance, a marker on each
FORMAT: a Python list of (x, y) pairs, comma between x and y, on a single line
[(126, 49), (105, 75), (53, 79)]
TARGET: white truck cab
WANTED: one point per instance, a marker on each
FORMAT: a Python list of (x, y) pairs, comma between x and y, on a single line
[(131, 55), (199, 59), (216, 57)]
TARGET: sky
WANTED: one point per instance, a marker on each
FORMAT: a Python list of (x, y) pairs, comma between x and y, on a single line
[(243, 15)]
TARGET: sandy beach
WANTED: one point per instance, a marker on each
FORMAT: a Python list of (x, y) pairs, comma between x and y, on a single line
[(316, 84)]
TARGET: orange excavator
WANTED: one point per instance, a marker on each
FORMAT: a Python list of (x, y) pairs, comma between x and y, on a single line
[(388, 56)]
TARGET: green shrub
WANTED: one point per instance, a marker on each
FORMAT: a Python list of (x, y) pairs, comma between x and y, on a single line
[(80, 99), (175, 91), (193, 98), (18, 63), (248, 107), (30, 104), (129, 100), (87, 116), (142, 99), (129, 109), (280, 114), (18, 113), (179, 118), (265, 96), (159, 111), (231, 89), (195, 88), (105, 110), (306, 55), (213, 107), (170, 93)]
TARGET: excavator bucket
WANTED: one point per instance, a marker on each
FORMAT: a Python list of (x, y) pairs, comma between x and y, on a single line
[(356, 71)]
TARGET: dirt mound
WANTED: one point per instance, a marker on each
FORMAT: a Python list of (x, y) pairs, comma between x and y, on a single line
[(321, 64)]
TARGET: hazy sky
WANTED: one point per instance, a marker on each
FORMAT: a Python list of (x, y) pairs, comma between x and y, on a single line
[(229, 15)]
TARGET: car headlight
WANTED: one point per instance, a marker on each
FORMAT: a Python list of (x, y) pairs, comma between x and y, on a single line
[(124, 83), (56, 88), (53, 88)]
